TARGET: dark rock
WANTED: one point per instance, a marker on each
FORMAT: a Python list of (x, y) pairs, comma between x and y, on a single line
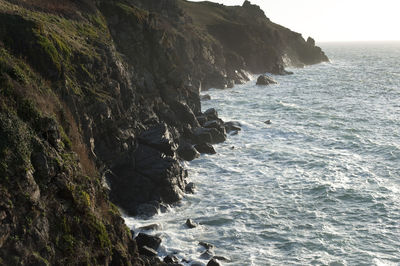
[(265, 80), (159, 138), (149, 176), (213, 124), (232, 126), (151, 227), (187, 152), (221, 258), (268, 122), (190, 188), (190, 224), (205, 148), (146, 251), (206, 255), (205, 97), (146, 209), (206, 245), (230, 84), (202, 119), (171, 259), (211, 114), (213, 262), (209, 135), (310, 41), (148, 240)]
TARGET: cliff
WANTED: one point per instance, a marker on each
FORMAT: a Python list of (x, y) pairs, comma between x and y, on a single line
[(99, 102)]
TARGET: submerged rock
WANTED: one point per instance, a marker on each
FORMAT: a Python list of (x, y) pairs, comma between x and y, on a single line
[(265, 80), (206, 255)]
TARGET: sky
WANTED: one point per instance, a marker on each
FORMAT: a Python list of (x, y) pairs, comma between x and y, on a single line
[(334, 20)]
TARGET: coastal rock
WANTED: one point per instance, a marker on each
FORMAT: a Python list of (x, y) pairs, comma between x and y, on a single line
[(206, 245), (187, 152), (221, 258), (211, 114), (150, 227), (159, 138), (171, 259), (265, 80), (232, 126), (149, 252), (206, 255), (190, 188), (190, 223), (148, 240), (213, 262), (205, 148)]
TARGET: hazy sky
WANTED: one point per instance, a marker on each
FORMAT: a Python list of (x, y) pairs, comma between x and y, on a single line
[(334, 20)]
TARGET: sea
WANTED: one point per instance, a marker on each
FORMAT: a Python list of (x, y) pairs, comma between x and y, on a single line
[(320, 185)]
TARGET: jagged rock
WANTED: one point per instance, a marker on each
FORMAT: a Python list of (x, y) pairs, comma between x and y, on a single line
[(265, 80), (205, 148), (190, 188), (208, 135), (159, 138), (190, 223), (148, 240), (213, 262), (211, 114), (187, 152)]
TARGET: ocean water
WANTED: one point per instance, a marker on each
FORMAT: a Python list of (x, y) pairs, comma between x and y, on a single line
[(319, 186)]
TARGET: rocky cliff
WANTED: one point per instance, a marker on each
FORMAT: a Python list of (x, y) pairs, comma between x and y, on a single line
[(99, 102)]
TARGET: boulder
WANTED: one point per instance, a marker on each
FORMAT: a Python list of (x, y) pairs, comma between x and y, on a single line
[(159, 138), (148, 240), (205, 148), (190, 223), (213, 262), (190, 188), (150, 227), (187, 152), (232, 126), (265, 80), (221, 258), (209, 135), (206, 255), (213, 124), (171, 259), (211, 114)]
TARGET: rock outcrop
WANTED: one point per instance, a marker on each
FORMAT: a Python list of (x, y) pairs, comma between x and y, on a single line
[(99, 102)]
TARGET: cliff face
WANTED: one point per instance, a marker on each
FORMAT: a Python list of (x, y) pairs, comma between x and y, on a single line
[(99, 100)]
